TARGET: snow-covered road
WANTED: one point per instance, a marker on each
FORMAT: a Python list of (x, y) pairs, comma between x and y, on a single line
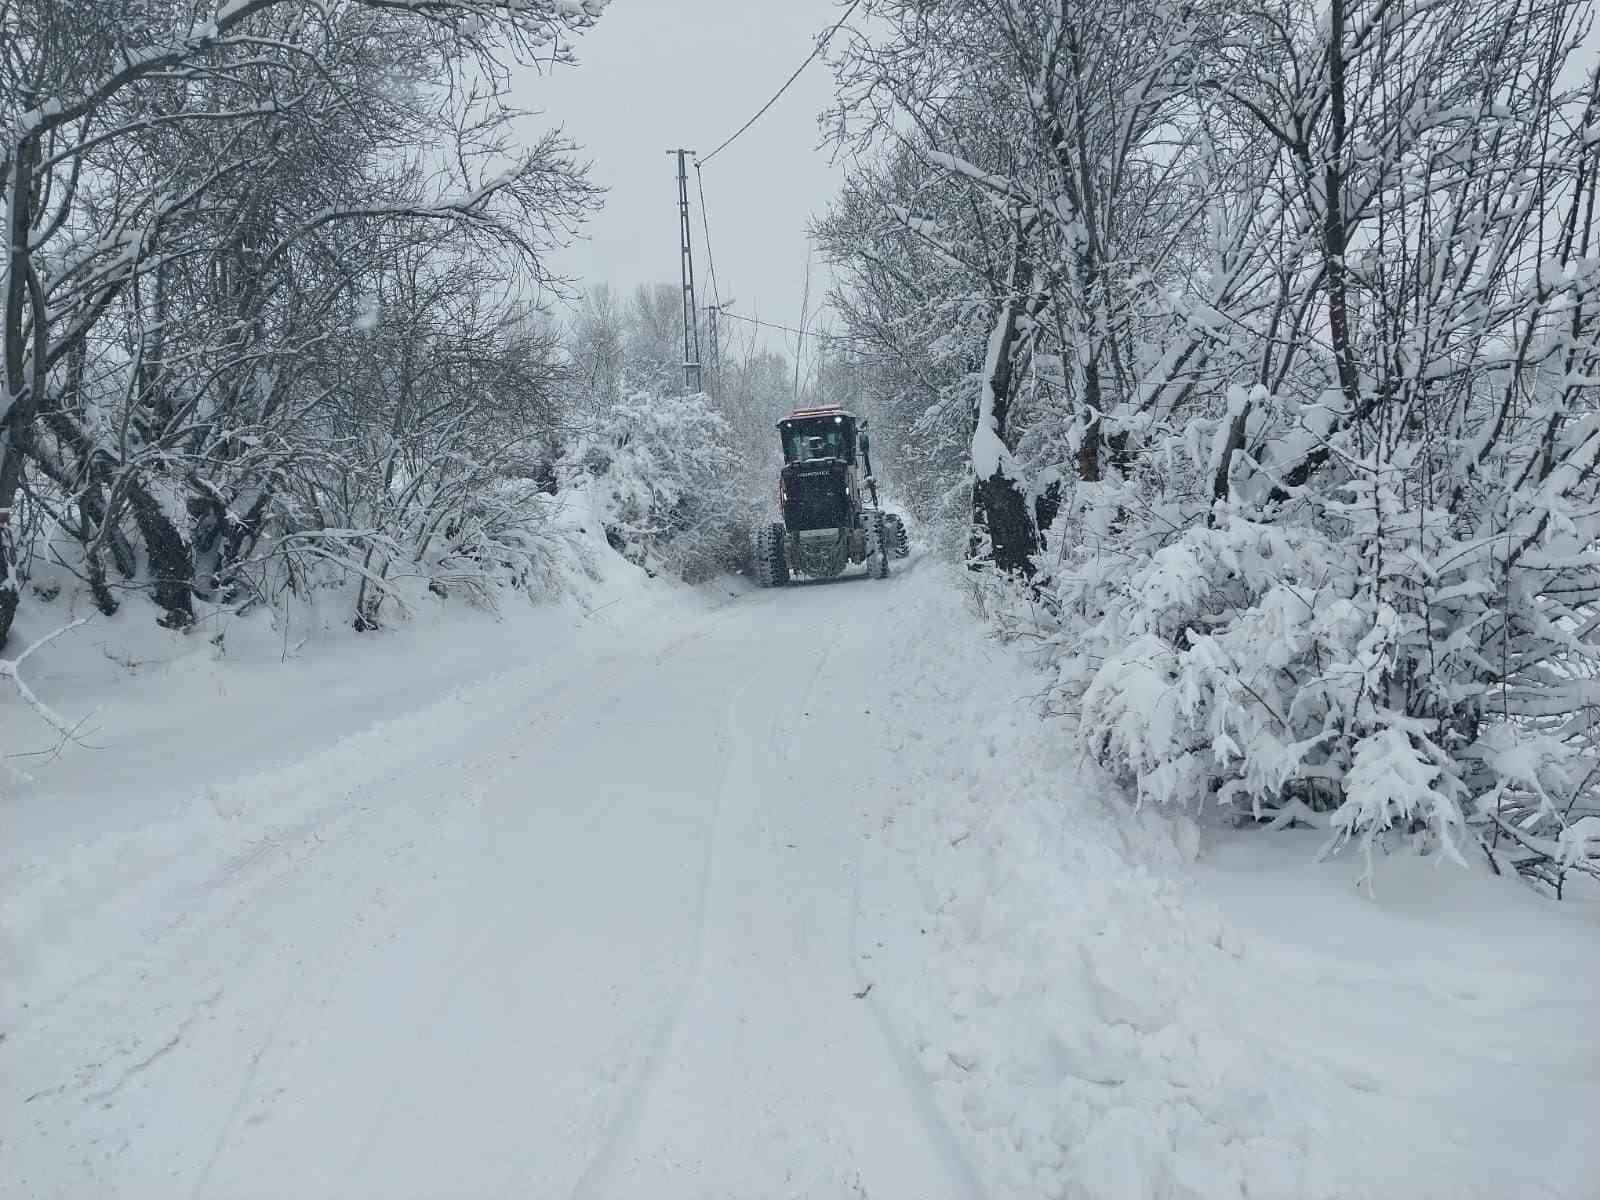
[(724, 895), (596, 940)]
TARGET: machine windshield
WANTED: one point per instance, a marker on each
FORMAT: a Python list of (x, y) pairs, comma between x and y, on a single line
[(818, 437)]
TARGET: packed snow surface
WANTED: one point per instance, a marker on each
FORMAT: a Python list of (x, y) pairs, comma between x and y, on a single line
[(723, 894)]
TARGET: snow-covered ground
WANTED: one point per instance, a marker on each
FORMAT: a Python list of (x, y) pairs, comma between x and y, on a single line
[(717, 893), (1119, 1005)]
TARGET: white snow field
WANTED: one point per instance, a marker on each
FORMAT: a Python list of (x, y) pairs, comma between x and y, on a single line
[(723, 894)]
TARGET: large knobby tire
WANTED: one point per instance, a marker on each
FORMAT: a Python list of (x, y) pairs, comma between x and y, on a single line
[(772, 569), (877, 546), (894, 529)]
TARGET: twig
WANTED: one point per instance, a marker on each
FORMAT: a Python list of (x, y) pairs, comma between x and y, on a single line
[(1489, 854), (601, 608), (12, 669)]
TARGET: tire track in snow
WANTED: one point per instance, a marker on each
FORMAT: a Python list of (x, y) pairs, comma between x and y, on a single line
[(281, 857), (556, 703), (623, 1125), (909, 1074), (749, 1088), (212, 899)]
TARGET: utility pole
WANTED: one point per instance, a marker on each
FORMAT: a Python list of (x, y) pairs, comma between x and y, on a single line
[(711, 332), (691, 331), (713, 311)]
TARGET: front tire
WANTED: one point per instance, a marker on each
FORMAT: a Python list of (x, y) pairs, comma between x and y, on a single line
[(895, 530), (772, 568), (877, 546)]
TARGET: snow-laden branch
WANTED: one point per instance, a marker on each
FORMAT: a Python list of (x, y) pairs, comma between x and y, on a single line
[(542, 18)]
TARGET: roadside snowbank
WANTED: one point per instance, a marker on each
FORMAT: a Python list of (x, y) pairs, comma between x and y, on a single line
[(1116, 1005)]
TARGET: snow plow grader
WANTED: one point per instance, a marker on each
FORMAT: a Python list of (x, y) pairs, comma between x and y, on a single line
[(829, 501)]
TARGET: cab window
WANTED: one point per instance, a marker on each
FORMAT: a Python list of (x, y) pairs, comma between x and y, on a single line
[(822, 437)]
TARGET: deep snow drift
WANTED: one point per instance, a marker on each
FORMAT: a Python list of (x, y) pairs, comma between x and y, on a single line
[(721, 893)]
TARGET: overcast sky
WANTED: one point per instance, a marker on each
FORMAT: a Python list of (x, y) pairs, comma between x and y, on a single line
[(658, 74)]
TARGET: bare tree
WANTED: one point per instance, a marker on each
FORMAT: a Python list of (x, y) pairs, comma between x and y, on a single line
[(1062, 134), (186, 198), (1308, 293)]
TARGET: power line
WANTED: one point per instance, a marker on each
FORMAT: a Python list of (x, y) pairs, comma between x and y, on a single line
[(764, 324), (832, 337), (705, 224), (815, 50)]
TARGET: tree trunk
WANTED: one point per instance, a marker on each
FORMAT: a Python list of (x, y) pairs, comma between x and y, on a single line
[(1000, 501), (19, 399), (1046, 507), (171, 564), (1221, 482), (1335, 243), (1013, 538)]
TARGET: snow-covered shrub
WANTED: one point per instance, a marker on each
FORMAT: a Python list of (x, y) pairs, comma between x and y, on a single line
[(664, 471), (1354, 662), (506, 535)]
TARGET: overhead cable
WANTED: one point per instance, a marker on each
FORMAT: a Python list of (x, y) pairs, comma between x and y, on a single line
[(815, 50), (832, 337), (705, 224)]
